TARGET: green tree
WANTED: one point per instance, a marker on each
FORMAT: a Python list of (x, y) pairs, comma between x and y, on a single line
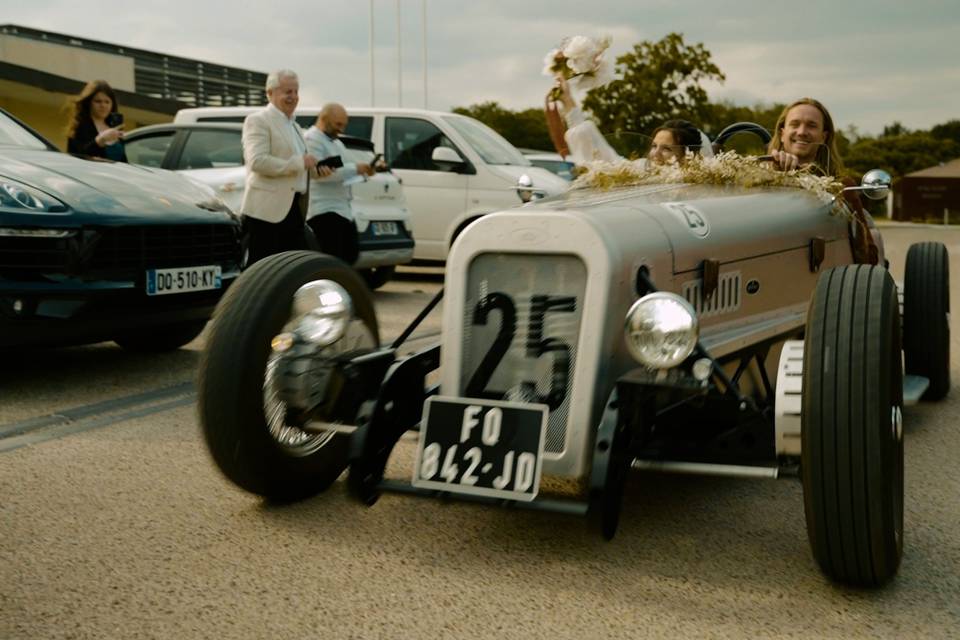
[(658, 81), (900, 154), (527, 128), (949, 130)]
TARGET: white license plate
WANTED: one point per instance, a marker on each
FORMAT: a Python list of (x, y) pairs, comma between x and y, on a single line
[(384, 228), (163, 281), (484, 447)]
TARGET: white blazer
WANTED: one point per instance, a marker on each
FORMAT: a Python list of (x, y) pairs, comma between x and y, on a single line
[(274, 166)]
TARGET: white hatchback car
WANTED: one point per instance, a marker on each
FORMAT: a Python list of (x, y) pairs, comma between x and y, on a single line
[(213, 154), (454, 169)]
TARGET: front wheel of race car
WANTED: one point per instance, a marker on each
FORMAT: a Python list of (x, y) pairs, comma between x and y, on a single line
[(926, 316), (245, 418), (852, 429)]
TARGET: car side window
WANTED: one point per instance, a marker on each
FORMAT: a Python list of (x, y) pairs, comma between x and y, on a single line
[(360, 127), (149, 150), (410, 143), (211, 149)]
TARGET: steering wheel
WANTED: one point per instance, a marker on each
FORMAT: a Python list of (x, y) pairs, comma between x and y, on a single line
[(741, 127)]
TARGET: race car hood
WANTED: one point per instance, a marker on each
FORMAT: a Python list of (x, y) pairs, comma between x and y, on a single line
[(113, 191), (726, 224)]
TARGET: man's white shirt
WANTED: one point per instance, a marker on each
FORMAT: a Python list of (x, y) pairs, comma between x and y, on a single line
[(332, 193), (295, 138)]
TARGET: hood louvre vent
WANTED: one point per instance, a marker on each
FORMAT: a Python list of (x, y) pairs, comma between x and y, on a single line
[(724, 299)]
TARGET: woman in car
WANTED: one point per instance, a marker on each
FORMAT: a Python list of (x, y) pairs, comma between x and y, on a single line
[(96, 128), (671, 141)]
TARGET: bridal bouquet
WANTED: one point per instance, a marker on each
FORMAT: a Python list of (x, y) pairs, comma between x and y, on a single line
[(580, 60)]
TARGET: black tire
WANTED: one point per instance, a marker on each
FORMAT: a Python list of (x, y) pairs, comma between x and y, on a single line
[(157, 339), (231, 390), (378, 276), (926, 309), (852, 435)]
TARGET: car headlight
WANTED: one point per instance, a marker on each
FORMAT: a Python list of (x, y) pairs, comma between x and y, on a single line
[(20, 197), (661, 330), (324, 310)]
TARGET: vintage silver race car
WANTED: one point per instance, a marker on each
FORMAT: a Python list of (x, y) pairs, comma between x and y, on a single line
[(673, 327)]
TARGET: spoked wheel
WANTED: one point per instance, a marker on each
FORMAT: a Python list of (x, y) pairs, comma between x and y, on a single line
[(277, 335), (852, 430), (926, 316)]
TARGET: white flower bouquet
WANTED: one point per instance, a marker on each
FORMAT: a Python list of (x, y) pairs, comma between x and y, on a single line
[(580, 60)]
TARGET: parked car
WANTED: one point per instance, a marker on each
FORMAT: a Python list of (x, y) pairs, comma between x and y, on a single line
[(92, 250), (213, 154), (692, 328), (551, 161), (454, 168)]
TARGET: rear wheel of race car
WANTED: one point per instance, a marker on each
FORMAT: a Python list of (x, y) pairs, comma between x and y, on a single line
[(164, 338), (926, 316), (852, 433), (244, 419)]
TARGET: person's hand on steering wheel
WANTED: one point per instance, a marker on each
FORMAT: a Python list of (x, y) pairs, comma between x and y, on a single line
[(785, 161)]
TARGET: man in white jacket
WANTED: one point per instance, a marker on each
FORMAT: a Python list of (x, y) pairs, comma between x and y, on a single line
[(330, 214), (278, 170)]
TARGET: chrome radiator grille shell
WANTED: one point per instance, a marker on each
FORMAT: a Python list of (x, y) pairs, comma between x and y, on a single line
[(521, 326)]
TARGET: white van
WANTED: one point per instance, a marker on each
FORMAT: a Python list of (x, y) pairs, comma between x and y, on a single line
[(453, 168)]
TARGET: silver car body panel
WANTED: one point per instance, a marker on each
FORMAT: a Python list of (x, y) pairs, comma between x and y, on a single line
[(761, 239)]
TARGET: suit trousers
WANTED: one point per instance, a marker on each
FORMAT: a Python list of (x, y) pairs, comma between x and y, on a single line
[(264, 238), (336, 235)]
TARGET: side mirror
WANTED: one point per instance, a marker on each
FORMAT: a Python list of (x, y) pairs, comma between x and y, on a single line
[(875, 184), (446, 156), (526, 190)]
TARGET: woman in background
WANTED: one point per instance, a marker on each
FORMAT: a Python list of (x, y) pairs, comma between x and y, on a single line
[(96, 129)]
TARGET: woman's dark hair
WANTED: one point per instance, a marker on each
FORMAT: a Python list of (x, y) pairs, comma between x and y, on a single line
[(81, 104), (683, 132)]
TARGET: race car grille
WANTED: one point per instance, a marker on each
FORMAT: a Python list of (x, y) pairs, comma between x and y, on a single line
[(163, 246), (724, 299), (521, 329)]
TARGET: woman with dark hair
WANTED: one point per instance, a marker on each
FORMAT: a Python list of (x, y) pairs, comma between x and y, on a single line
[(672, 140), (96, 129)]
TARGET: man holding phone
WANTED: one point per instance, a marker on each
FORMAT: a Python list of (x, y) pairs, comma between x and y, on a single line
[(330, 214)]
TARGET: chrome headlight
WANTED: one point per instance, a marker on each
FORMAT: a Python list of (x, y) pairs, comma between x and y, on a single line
[(661, 330), (20, 197), (324, 310)]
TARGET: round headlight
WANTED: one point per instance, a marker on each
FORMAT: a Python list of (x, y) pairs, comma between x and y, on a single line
[(324, 310), (661, 330)]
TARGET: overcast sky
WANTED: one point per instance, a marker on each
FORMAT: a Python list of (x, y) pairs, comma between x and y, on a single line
[(872, 62)]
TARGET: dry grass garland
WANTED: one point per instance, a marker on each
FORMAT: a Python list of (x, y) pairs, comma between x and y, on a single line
[(728, 168)]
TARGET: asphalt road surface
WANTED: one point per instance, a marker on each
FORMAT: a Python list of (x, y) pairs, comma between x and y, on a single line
[(114, 523)]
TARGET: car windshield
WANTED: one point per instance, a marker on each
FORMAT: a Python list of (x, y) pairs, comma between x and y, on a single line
[(488, 144), (12, 134)]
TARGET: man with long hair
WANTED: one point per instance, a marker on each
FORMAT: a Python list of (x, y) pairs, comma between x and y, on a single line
[(805, 135)]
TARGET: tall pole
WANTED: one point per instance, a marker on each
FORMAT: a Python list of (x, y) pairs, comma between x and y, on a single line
[(373, 93), (424, 5), (399, 61)]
